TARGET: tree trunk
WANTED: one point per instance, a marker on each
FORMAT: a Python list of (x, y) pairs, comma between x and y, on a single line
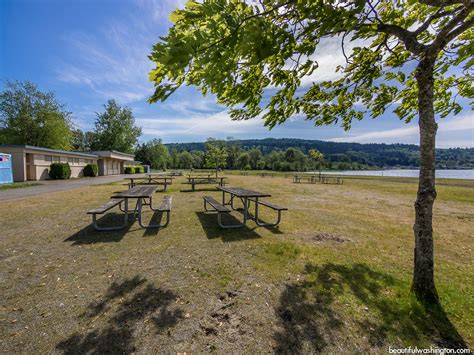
[(423, 274)]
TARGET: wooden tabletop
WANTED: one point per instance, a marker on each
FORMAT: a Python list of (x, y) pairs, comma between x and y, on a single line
[(150, 178), (241, 192), (137, 192)]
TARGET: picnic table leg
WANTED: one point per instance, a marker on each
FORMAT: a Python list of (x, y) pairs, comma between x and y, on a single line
[(124, 224), (240, 225), (260, 224), (140, 211)]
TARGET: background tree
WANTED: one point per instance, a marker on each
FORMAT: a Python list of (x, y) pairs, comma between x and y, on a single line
[(153, 153), (186, 160), (406, 53), (216, 157), (81, 141), (29, 116), (243, 161), (318, 157), (255, 156), (115, 129)]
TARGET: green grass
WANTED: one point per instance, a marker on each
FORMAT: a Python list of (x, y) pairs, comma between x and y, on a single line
[(335, 276), (19, 185)]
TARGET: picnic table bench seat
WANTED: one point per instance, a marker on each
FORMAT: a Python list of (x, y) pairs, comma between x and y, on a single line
[(214, 204), (270, 205), (220, 209), (277, 208), (165, 204), (105, 207)]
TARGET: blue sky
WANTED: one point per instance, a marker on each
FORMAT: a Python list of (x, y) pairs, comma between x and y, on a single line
[(88, 51)]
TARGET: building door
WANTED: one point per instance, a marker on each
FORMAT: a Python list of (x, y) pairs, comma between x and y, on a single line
[(29, 167)]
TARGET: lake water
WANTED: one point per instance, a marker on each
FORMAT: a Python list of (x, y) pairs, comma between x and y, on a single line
[(442, 174)]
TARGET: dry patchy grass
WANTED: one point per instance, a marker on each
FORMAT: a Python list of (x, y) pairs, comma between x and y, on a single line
[(335, 276)]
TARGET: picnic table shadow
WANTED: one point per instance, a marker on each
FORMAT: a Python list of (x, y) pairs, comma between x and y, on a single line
[(209, 224), (116, 316), (310, 320), (88, 235)]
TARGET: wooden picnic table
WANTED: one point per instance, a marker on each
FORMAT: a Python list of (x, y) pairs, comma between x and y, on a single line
[(246, 196), (151, 180), (141, 193), (312, 178), (337, 180), (195, 180)]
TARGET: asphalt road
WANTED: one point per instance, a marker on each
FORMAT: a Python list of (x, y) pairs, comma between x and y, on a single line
[(49, 186)]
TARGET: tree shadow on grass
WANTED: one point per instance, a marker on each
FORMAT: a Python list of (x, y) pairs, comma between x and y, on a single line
[(312, 314), (124, 307), (211, 227), (88, 235)]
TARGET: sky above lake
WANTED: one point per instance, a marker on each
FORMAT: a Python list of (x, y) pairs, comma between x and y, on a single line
[(89, 51)]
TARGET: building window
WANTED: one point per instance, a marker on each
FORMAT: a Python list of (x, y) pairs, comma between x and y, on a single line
[(76, 160), (56, 159), (48, 158), (70, 160)]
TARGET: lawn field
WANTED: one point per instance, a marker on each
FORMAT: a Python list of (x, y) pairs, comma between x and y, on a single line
[(335, 276)]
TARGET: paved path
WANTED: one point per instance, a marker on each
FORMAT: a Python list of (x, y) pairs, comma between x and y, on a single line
[(49, 186)]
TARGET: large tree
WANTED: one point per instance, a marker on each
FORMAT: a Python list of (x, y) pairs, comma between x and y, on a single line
[(216, 154), (414, 55), (115, 129), (32, 117), (153, 153)]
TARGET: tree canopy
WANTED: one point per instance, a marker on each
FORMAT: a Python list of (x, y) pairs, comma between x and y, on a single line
[(236, 49), (415, 56), (115, 129), (29, 116)]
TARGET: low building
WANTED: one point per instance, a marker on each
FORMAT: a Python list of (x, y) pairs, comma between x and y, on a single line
[(111, 162), (32, 163)]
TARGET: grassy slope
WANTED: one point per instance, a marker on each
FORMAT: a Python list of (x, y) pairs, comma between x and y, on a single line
[(334, 276)]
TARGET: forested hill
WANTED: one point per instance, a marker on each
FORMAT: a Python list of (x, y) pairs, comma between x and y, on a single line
[(374, 155)]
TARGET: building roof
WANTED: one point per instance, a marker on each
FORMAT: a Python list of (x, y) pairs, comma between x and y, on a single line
[(107, 153), (47, 150)]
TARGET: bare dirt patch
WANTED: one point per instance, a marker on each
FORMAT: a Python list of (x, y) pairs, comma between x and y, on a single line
[(328, 237)]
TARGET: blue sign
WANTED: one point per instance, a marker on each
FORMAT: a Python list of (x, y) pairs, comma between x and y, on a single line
[(6, 174)]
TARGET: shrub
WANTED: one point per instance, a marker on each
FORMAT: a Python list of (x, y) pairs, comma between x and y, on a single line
[(60, 171), (128, 170), (139, 169), (91, 170)]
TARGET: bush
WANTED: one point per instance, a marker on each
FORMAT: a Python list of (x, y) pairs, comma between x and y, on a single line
[(60, 171), (128, 170), (91, 170), (139, 169)]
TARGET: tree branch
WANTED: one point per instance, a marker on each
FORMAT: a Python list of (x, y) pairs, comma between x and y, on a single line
[(407, 37), (449, 32), (430, 19), (443, 3)]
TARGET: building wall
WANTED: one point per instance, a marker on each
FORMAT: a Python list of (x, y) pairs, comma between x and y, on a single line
[(77, 164), (18, 166)]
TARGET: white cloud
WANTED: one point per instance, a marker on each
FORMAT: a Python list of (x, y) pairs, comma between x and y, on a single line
[(217, 123), (329, 56)]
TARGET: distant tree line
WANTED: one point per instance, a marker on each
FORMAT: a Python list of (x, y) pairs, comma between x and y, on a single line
[(343, 156)]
